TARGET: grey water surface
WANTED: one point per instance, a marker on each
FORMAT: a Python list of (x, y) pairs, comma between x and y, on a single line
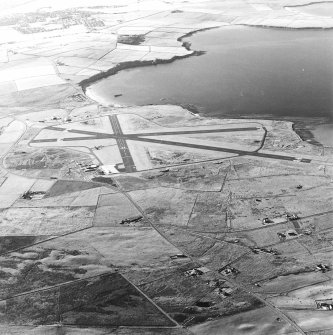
[(245, 71)]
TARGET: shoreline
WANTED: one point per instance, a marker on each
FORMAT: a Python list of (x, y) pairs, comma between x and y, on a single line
[(84, 84), (130, 65), (138, 63), (282, 27), (309, 4), (300, 126), (179, 199)]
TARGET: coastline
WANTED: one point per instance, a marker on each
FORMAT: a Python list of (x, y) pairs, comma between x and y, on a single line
[(301, 126), (157, 215), (307, 131), (138, 63), (130, 65), (187, 45), (309, 4)]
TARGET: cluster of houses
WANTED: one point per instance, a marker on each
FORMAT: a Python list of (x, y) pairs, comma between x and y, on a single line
[(326, 305), (196, 272)]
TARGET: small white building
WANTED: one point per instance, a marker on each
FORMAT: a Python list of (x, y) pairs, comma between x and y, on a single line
[(108, 169)]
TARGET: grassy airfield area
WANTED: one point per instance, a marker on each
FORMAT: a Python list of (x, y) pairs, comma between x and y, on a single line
[(151, 220)]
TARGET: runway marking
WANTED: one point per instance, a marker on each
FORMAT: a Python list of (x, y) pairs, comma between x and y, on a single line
[(125, 153), (122, 145)]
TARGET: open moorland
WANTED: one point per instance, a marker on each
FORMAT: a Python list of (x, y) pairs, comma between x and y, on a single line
[(151, 219)]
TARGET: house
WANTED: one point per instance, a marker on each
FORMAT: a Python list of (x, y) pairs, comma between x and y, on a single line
[(108, 169), (326, 305)]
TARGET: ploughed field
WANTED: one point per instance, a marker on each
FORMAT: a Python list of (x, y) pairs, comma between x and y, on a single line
[(163, 226), (151, 219)]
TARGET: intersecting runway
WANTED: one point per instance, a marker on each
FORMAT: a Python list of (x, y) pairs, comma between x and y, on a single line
[(121, 139), (122, 145)]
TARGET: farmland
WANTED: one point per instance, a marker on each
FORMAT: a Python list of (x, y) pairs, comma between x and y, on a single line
[(151, 219)]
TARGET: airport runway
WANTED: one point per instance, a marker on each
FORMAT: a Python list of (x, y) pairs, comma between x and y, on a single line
[(202, 131), (218, 149), (125, 153), (122, 145)]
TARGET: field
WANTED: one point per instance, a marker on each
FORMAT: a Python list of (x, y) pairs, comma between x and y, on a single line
[(151, 219), (210, 240)]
